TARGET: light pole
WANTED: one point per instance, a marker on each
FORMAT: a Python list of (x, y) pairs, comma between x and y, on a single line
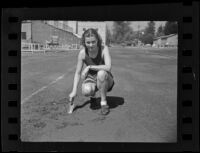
[(76, 27), (138, 30)]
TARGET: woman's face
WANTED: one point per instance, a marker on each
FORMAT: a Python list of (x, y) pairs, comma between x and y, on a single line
[(91, 43)]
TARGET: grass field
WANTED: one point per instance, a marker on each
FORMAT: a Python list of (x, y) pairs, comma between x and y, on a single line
[(143, 101)]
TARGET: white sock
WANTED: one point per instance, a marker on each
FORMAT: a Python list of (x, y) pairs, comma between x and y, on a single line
[(103, 103)]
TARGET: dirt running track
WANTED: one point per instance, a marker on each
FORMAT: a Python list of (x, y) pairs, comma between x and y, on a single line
[(143, 101)]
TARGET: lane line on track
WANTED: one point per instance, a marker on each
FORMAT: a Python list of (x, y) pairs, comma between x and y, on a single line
[(44, 87)]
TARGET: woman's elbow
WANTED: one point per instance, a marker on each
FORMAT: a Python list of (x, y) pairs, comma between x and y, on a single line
[(109, 68), (78, 74)]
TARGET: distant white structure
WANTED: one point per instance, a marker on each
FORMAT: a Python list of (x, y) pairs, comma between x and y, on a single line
[(166, 41), (80, 26), (72, 24)]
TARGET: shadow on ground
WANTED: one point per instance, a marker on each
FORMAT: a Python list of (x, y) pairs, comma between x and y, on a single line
[(112, 101)]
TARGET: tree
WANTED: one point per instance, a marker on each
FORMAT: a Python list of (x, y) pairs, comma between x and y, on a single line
[(108, 37), (121, 31), (170, 28), (150, 29), (160, 31), (147, 37)]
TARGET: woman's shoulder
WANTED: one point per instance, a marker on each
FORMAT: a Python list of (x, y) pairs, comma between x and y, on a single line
[(104, 48), (82, 53)]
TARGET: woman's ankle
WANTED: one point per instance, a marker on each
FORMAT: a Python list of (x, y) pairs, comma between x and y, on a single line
[(103, 102)]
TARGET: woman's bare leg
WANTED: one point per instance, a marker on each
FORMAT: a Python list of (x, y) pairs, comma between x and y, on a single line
[(104, 82)]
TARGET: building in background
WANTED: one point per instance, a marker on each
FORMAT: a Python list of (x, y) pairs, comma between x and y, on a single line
[(44, 32), (26, 31), (58, 32), (61, 25), (73, 25), (166, 41)]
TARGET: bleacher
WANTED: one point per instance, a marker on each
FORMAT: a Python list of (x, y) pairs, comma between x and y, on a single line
[(36, 47)]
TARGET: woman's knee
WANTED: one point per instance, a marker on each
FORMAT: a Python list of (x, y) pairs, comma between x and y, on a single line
[(87, 90), (102, 75)]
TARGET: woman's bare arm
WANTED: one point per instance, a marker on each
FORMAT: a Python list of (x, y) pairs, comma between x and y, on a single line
[(78, 71)]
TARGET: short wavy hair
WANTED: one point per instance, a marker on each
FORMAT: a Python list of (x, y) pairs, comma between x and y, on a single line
[(90, 33)]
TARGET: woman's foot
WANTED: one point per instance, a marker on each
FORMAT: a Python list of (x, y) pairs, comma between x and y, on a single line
[(105, 110), (71, 108)]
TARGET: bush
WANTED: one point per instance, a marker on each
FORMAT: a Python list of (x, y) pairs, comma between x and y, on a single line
[(147, 39)]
